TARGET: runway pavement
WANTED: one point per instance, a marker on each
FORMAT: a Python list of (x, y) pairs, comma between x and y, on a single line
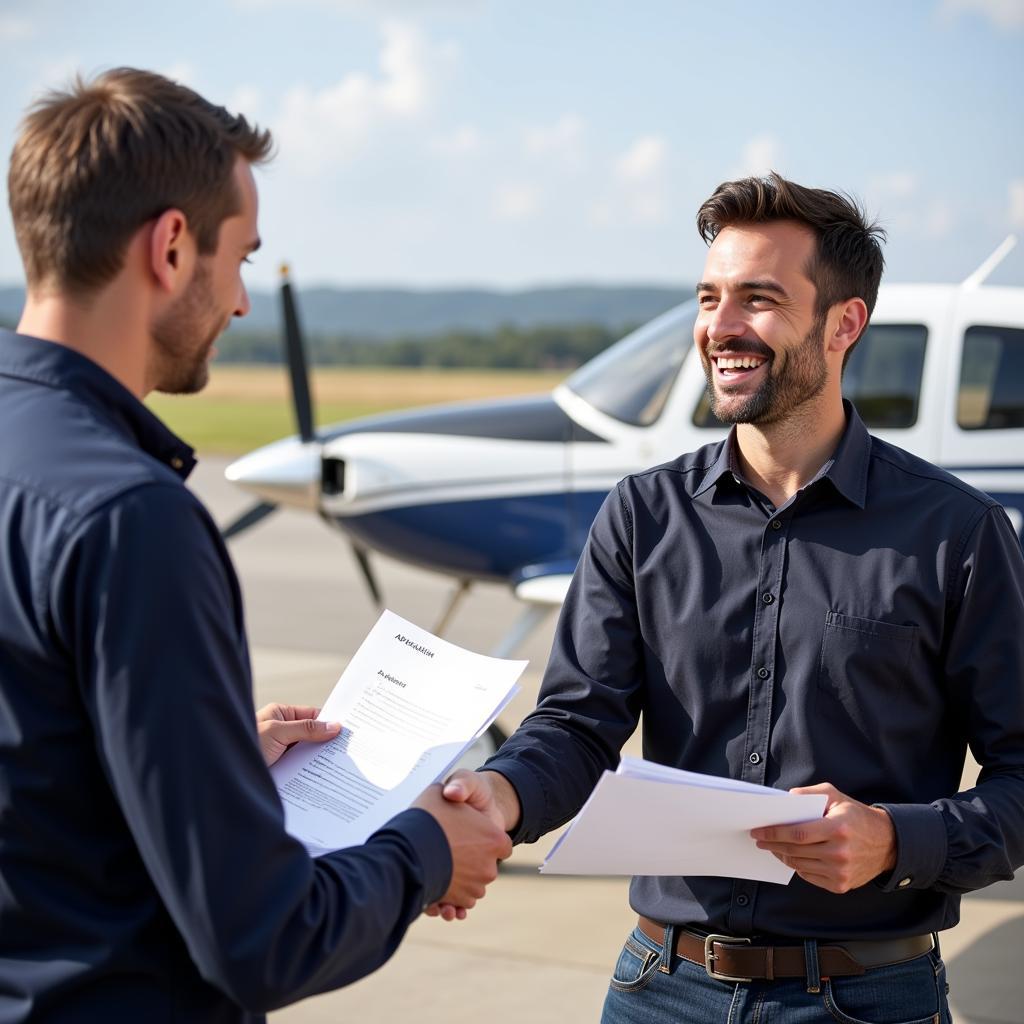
[(538, 948)]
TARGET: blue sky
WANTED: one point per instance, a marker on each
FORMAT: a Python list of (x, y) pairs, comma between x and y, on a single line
[(452, 142)]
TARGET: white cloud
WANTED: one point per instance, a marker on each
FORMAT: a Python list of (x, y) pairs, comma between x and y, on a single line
[(1002, 13), (938, 220), (895, 185), (562, 140), (15, 27), (643, 161), (58, 73), (405, 84), (516, 201), (374, 8), (184, 72), (318, 129), (246, 100), (638, 194), (464, 141), (760, 155), (1016, 191)]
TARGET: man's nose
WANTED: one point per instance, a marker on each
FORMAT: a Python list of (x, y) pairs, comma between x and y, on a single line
[(244, 305), (725, 321)]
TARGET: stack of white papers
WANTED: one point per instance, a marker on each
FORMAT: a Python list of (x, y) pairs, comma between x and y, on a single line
[(410, 704), (649, 819)]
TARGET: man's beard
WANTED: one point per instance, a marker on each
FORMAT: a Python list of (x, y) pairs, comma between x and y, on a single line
[(802, 378), (184, 335)]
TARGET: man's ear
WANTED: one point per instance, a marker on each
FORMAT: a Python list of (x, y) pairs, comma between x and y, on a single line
[(853, 318), (172, 251)]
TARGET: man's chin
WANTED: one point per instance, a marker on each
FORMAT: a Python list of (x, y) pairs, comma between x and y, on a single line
[(739, 409), (186, 385)]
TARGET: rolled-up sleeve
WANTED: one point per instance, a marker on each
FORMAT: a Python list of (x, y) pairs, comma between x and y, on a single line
[(146, 603)]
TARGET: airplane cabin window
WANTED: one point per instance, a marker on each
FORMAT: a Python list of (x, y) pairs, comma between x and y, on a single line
[(991, 395), (631, 381), (882, 378)]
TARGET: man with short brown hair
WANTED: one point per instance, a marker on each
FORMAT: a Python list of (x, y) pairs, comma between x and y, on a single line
[(802, 606), (145, 872)]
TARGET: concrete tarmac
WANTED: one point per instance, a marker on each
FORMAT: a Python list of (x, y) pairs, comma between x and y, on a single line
[(537, 948)]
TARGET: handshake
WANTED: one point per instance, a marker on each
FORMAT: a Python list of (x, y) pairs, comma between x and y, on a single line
[(476, 810)]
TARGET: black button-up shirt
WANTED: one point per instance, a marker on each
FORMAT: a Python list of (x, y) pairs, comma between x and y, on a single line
[(145, 873), (863, 634)]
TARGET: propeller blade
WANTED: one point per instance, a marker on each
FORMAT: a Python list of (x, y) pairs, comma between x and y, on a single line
[(247, 519), (363, 559), (296, 358)]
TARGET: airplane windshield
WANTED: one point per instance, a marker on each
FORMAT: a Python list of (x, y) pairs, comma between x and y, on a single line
[(632, 380)]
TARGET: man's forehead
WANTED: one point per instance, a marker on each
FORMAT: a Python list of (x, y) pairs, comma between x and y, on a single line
[(246, 182), (243, 222), (778, 249)]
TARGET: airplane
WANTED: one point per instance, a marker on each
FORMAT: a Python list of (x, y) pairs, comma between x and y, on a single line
[(506, 490)]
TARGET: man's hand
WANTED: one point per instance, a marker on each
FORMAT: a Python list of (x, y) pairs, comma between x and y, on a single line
[(485, 791), (490, 793), (852, 844), (477, 844), (281, 725)]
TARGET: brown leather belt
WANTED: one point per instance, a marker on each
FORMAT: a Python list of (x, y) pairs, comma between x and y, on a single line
[(735, 959)]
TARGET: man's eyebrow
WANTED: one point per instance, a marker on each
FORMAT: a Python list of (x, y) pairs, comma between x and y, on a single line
[(766, 285)]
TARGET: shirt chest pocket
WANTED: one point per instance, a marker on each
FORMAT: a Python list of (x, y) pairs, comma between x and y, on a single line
[(864, 662)]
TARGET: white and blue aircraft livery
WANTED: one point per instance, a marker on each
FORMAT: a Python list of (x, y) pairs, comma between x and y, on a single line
[(506, 490)]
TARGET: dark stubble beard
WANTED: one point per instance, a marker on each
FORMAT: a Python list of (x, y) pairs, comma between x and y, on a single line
[(802, 378), (184, 335)]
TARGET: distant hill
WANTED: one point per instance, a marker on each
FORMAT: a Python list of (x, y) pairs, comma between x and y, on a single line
[(391, 312)]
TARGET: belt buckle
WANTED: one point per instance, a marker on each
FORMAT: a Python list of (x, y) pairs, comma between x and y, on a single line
[(710, 958)]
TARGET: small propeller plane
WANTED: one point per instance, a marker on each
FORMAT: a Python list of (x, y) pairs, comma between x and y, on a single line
[(506, 490)]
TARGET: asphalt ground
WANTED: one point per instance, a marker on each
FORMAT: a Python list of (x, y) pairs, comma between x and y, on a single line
[(537, 948)]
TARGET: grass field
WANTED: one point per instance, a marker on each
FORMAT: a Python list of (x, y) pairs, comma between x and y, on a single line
[(244, 407)]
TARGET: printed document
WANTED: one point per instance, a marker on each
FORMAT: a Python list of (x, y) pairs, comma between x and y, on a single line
[(409, 704), (650, 819)]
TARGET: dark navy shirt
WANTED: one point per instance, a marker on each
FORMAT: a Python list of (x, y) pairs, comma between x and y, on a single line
[(864, 634), (145, 873)]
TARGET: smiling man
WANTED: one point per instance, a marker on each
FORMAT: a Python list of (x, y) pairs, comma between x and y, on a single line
[(803, 606)]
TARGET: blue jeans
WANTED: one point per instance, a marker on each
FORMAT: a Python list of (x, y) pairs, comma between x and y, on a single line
[(909, 993)]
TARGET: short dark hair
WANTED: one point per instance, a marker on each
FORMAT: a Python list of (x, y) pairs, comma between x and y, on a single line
[(847, 262), (92, 164)]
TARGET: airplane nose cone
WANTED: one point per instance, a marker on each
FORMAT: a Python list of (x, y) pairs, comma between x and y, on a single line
[(286, 472)]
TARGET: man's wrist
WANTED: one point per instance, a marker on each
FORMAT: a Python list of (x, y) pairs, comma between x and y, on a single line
[(889, 829), (506, 798)]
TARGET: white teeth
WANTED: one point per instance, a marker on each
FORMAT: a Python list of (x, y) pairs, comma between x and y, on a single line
[(743, 363)]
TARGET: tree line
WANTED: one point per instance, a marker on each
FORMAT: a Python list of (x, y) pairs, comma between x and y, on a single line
[(509, 347)]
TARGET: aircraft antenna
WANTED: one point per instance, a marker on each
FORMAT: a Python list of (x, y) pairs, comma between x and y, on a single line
[(979, 277)]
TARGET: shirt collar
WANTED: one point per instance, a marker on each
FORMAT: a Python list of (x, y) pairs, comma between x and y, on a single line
[(847, 469), (56, 366), (722, 467)]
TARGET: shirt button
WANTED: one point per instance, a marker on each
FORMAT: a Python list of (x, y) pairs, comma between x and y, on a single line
[(776, 524), (767, 598), (755, 758), (177, 462), (904, 882), (742, 900), (763, 673)]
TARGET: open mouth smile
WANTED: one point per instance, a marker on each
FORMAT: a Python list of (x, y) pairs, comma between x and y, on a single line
[(736, 367)]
